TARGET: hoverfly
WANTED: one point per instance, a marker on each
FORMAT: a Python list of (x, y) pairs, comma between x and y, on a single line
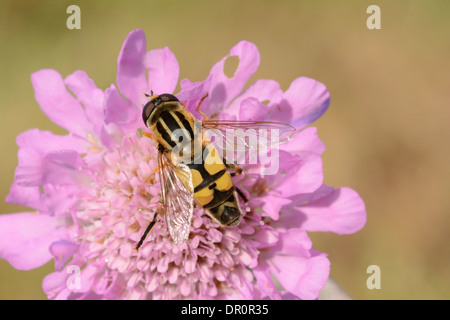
[(204, 178)]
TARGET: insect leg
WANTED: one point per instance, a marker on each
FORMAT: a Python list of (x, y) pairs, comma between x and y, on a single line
[(237, 170), (148, 135), (205, 116), (149, 228), (241, 194), (161, 206)]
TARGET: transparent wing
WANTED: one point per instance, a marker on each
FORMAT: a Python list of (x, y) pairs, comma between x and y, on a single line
[(240, 140), (177, 195)]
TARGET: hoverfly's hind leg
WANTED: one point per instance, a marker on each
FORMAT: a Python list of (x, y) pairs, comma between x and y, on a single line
[(150, 226), (161, 206), (241, 194)]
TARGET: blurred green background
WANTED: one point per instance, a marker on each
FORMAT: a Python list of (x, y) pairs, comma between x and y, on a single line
[(387, 130)]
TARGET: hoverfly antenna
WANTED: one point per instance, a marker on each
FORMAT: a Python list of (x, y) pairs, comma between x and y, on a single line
[(149, 95)]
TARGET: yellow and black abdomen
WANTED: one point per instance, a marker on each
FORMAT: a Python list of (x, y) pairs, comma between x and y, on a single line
[(213, 187)]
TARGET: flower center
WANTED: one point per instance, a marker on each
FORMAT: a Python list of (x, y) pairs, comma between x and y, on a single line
[(117, 208)]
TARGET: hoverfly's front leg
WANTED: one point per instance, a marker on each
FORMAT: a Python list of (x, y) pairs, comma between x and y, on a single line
[(205, 116), (237, 170), (148, 135), (150, 179)]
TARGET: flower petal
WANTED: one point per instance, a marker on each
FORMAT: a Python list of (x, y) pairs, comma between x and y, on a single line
[(62, 251), (131, 78), (264, 282), (305, 140), (273, 204), (46, 141), (302, 276), (55, 285), (48, 158), (60, 198), (222, 90), (307, 178), (340, 211), (25, 196), (58, 104), (267, 92), (298, 174), (163, 70), (266, 236), (43, 159), (294, 241), (25, 238), (58, 167), (192, 92), (252, 110), (120, 112), (299, 269), (304, 102), (89, 96)]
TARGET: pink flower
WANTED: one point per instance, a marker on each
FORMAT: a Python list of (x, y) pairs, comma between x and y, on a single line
[(93, 193)]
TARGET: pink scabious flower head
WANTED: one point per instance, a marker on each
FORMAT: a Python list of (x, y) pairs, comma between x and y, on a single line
[(94, 190)]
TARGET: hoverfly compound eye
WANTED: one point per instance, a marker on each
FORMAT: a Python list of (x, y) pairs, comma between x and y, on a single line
[(147, 111), (156, 102)]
